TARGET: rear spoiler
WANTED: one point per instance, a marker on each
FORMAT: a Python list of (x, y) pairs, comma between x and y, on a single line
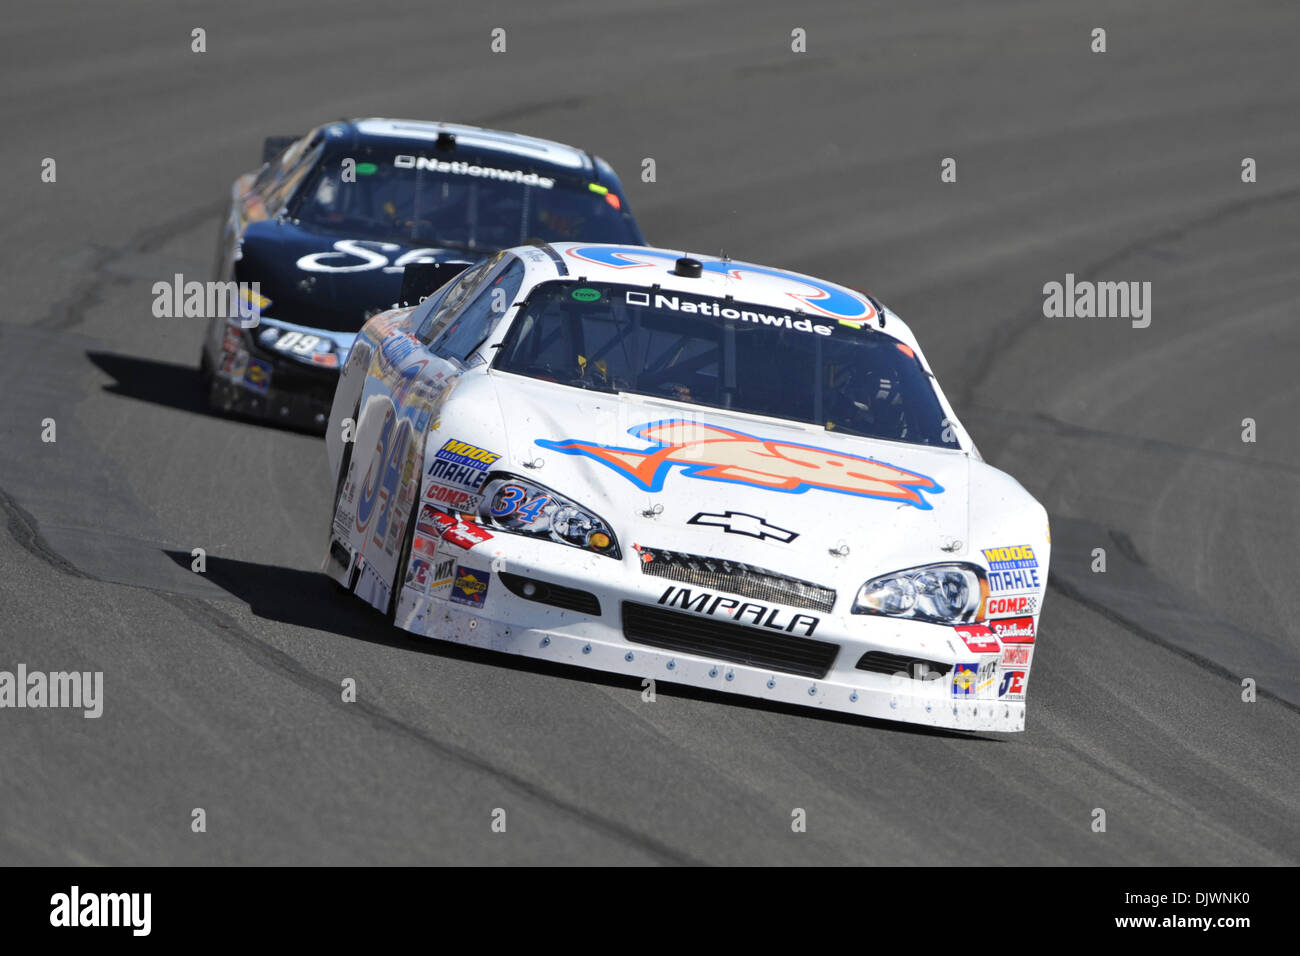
[(422, 279)]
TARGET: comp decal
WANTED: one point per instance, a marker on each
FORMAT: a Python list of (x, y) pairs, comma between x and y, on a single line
[(821, 297), (1011, 606), (712, 453)]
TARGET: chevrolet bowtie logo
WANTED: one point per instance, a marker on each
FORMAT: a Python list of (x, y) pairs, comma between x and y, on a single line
[(737, 522)]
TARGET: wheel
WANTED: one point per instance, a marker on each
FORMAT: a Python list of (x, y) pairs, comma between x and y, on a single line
[(403, 562)]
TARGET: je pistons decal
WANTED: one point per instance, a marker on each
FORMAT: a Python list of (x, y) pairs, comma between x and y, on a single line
[(470, 586), (721, 454)]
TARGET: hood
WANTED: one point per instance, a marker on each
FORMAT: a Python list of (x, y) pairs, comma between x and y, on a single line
[(771, 494), (327, 280)]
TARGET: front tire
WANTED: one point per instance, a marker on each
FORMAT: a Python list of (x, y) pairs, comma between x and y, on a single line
[(403, 563)]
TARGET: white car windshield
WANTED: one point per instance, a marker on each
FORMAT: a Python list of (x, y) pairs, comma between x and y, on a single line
[(726, 354)]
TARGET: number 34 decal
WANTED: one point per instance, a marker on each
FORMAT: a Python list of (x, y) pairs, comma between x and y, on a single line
[(514, 500)]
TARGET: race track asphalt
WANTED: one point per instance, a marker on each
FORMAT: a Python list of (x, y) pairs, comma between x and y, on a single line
[(222, 691)]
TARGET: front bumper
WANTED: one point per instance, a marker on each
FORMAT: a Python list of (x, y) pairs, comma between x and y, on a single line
[(493, 614), (249, 379)]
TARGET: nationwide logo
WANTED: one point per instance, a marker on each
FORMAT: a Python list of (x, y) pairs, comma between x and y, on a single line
[(751, 526), (822, 297), (720, 310), (712, 453), (459, 168)]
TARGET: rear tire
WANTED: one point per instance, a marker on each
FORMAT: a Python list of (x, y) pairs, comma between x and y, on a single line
[(403, 562), (344, 465)]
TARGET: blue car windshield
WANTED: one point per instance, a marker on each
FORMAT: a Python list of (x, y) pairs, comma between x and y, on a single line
[(458, 201), (725, 354)]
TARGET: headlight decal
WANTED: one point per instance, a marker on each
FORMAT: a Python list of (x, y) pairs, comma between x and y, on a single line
[(521, 506), (944, 593)]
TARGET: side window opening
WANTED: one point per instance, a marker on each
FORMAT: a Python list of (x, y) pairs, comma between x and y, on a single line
[(450, 300), (475, 322), (295, 163)]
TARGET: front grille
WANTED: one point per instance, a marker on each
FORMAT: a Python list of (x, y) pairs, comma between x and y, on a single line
[(880, 662), (727, 641), (736, 578), (557, 595)]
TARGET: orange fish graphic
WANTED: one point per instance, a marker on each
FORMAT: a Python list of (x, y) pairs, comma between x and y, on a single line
[(722, 454)]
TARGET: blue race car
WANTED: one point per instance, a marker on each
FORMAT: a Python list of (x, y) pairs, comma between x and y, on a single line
[(329, 223)]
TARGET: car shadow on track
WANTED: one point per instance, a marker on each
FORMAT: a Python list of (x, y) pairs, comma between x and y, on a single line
[(312, 600), (170, 385)]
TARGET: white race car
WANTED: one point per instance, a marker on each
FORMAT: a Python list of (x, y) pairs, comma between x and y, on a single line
[(687, 469)]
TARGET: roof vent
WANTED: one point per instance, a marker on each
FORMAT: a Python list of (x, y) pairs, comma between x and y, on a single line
[(446, 140), (688, 268)]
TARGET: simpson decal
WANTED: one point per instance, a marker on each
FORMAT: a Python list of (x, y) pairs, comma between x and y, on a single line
[(1017, 655)]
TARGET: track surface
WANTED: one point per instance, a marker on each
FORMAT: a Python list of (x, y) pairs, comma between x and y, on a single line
[(222, 691)]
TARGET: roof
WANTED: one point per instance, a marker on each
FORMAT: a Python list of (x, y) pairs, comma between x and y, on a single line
[(744, 281), (528, 148)]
